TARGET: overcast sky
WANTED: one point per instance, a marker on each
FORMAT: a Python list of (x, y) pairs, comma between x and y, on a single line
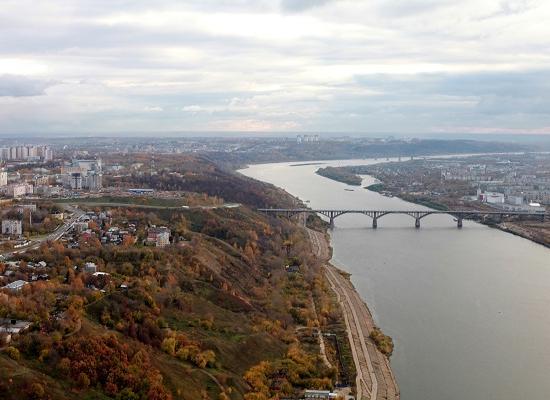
[(373, 66)]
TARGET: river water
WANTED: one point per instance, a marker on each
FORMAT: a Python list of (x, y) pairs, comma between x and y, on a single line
[(468, 309)]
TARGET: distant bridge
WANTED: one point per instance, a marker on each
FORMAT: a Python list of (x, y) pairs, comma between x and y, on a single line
[(417, 215)]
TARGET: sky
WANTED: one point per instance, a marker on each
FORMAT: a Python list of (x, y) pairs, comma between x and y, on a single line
[(354, 66)]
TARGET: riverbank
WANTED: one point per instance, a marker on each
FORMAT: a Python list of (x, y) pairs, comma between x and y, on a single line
[(533, 231), (374, 379), (430, 288), (542, 238), (340, 175), (536, 232)]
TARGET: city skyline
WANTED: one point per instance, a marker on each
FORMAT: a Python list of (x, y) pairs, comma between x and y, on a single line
[(100, 67)]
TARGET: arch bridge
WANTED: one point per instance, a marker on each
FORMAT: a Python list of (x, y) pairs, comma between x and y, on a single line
[(459, 215)]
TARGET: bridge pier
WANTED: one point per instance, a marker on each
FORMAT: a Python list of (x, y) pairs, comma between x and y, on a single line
[(331, 215)]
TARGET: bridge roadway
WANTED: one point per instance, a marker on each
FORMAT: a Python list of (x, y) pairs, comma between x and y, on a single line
[(417, 215)]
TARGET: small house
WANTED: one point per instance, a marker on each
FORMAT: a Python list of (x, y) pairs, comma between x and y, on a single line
[(90, 268), (10, 327), (15, 286)]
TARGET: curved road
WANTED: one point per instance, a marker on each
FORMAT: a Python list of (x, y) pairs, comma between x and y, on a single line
[(55, 235)]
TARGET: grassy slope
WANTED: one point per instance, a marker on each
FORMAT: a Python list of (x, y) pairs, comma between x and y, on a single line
[(234, 336)]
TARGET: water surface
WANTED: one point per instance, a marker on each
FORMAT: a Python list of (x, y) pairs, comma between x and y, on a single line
[(468, 308)]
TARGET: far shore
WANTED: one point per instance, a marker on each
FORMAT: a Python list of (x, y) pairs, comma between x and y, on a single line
[(508, 228)]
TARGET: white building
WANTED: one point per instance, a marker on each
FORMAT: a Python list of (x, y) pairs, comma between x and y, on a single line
[(490, 197), (160, 237), (494, 198), (319, 394), (82, 174), (11, 227), (26, 153), (47, 190), (19, 189), (93, 181), (23, 207), (3, 178), (90, 268)]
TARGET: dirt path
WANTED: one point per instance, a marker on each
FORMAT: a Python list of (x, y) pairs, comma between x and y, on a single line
[(374, 378), (322, 348)]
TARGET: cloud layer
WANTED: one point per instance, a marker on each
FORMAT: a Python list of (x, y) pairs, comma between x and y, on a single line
[(100, 66)]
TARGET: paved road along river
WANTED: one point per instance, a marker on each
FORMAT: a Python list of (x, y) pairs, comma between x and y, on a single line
[(469, 310)]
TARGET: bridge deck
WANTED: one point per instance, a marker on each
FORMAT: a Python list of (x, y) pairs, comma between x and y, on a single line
[(332, 214), (351, 211)]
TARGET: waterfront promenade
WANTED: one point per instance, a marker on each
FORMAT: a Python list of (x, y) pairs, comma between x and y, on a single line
[(374, 379)]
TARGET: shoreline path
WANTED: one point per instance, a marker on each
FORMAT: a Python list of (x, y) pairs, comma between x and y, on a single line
[(374, 380)]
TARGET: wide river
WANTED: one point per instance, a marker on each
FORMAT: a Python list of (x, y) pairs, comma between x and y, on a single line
[(468, 309)]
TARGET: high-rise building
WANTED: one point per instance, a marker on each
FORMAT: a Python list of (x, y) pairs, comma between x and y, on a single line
[(83, 174), (76, 181), (93, 181), (3, 178), (26, 153)]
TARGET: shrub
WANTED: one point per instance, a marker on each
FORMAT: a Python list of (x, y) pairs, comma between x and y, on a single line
[(64, 366), (169, 346), (83, 380), (187, 353), (13, 353), (204, 359), (36, 391), (383, 342), (127, 394)]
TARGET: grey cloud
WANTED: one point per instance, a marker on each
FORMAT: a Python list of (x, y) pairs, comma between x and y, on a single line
[(420, 102), (125, 68), (20, 86), (301, 5), (510, 7), (399, 8), (526, 84)]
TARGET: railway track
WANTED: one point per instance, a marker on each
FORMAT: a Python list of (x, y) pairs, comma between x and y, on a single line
[(374, 379)]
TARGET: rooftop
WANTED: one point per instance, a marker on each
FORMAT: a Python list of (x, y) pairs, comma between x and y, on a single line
[(16, 285)]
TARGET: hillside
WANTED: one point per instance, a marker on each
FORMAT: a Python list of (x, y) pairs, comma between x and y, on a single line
[(197, 174), (211, 316)]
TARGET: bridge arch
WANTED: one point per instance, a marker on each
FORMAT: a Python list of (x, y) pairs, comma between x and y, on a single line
[(417, 215)]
